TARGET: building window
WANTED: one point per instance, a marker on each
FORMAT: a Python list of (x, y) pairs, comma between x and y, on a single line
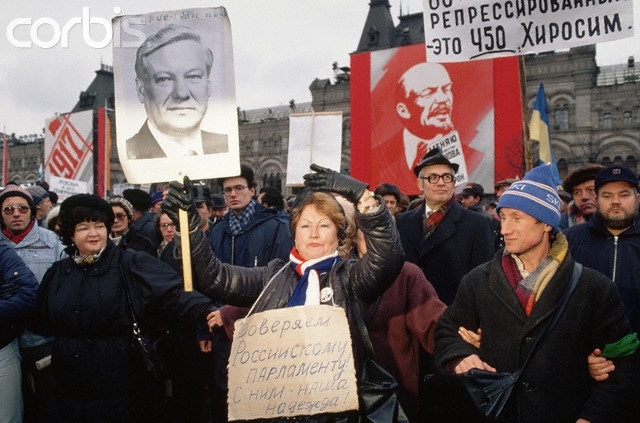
[(563, 168), (628, 118), (632, 163), (607, 121), (561, 116)]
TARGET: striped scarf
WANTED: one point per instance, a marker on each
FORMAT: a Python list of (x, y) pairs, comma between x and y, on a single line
[(307, 291), (238, 223), (529, 288), (432, 221)]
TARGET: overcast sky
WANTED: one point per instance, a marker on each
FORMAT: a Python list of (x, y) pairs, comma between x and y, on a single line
[(280, 47)]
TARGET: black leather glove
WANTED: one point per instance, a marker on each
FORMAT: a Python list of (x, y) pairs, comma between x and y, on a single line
[(329, 180), (180, 196)]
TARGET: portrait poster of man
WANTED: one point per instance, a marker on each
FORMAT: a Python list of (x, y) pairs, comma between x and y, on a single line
[(175, 95), (403, 106)]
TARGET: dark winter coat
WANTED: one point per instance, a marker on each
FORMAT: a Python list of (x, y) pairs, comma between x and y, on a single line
[(18, 291), (617, 257), (98, 374), (556, 386), (267, 236), (463, 240), (134, 240), (369, 277)]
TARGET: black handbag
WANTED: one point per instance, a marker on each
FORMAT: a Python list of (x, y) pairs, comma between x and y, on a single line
[(377, 389), (146, 348), (488, 391)]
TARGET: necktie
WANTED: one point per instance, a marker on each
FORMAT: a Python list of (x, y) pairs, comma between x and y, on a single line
[(421, 150)]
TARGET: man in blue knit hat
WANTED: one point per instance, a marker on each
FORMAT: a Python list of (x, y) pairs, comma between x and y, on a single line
[(513, 296)]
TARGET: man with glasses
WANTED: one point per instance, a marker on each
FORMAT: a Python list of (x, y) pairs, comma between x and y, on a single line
[(38, 247), (444, 239)]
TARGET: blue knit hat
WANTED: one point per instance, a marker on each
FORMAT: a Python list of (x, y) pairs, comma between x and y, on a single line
[(535, 195)]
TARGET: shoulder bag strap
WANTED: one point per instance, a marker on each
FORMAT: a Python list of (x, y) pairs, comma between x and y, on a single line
[(573, 283)]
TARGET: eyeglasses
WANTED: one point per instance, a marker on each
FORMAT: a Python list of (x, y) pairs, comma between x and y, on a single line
[(433, 178), (120, 216), (167, 225), (8, 210), (237, 188)]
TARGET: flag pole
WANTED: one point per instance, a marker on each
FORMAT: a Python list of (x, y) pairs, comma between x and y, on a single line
[(526, 139)]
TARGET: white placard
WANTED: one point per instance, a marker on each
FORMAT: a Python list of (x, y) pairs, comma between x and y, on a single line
[(313, 138), (171, 98), (462, 30), (67, 187)]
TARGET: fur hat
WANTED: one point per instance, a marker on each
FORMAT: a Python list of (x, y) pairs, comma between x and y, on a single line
[(125, 204), (535, 195), (18, 191), (139, 199), (434, 156), (580, 175)]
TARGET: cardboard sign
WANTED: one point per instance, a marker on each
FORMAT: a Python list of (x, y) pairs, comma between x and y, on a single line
[(291, 362), (457, 31)]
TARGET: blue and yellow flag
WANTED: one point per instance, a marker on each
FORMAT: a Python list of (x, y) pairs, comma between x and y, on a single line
[(539, 131)]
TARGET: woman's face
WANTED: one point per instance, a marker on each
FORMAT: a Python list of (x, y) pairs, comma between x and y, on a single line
[(120, 221), (90, 237), (316, 234)]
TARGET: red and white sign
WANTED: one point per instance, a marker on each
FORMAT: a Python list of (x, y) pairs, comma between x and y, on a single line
[(68, 147)]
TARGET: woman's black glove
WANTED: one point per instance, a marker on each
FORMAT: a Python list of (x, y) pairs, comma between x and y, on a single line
[(329, 180), (180, 196)]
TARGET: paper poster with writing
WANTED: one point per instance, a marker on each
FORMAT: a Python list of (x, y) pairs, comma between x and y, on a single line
[(289, 362), (175, 95)]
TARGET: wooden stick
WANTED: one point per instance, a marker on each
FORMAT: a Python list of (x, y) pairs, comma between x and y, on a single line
[(186, 250)]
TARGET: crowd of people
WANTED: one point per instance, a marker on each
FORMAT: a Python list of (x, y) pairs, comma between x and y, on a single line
[(451, 280)]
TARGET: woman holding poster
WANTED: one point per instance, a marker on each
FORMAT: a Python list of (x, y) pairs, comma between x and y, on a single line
[(290, 372)]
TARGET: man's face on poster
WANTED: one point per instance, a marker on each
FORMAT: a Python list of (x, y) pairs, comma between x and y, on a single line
[(176, 88), (427, 107)]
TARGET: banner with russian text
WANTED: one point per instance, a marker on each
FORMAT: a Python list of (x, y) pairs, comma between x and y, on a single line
[(471, 110), (478, 29), (69, 147)]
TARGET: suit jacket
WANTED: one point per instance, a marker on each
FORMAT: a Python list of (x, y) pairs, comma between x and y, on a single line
[(462, 241), (144, 145)]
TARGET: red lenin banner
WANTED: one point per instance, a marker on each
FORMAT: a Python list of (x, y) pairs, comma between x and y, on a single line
[(471, 110), (68, 147)]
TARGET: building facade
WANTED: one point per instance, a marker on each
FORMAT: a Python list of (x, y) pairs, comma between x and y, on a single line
[(594, 111)]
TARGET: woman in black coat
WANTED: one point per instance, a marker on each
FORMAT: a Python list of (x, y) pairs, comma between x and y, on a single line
[(314, 276), (83, 301)]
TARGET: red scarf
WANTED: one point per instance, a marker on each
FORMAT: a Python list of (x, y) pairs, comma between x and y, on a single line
[(432, 222), (526, 297), (16, 238)]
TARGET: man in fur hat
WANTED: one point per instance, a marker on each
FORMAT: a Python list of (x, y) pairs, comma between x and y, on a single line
[(580, 184)]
